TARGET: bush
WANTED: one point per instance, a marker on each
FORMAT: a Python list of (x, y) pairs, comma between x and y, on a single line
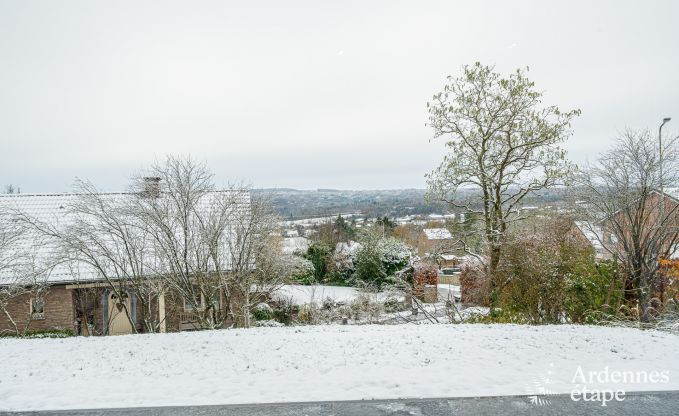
[(262, 312), (549, 275), (304, 271), (369, 266), (319, 254), (392, 304), (591, 288), (285, 312), (49, 333), (474, 285)]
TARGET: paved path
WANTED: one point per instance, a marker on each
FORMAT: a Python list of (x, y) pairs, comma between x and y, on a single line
[(652, 403)]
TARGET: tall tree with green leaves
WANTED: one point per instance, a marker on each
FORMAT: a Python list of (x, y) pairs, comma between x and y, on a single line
[(502, 142)]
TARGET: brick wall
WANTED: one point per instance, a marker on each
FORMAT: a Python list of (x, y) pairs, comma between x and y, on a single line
[(58, 312)]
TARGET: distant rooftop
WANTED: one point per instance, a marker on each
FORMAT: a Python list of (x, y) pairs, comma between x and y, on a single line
[(437, 233)]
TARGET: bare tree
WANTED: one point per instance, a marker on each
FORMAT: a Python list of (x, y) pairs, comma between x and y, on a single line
[(502, 142), (21, 276), (174, 233), (619, 197), (257, 264), (215, 248), (101, 238), (11, 189), (186, 220)]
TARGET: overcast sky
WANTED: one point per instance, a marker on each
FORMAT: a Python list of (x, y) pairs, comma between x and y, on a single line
[(304, 94)]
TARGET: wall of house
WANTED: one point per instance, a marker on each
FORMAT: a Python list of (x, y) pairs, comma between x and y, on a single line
[(89, 308), (58, 312), (179, 319)]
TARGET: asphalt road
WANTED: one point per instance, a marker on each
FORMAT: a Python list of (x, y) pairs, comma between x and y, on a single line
[(652, 403)]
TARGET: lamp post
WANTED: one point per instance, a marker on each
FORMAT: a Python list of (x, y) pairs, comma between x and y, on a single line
[(662, 190)]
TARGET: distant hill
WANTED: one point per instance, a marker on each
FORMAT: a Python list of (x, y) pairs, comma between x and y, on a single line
[(294, 204)]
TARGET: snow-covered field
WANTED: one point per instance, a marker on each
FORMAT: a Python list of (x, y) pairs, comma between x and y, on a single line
[(304, 294), (324, 363)]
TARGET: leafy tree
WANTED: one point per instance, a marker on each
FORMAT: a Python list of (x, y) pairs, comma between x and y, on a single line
[(343, 229), (319, 254), (595, 286), (303, 271), (379, 257), (386, 224), (393, 253), (369, 265), (501, 141)]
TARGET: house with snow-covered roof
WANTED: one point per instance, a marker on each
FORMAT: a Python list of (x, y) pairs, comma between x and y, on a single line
[(603, 234), (75, 296), (438, 244)]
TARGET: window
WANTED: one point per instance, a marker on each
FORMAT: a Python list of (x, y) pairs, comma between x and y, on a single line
[(37, 308), (201, 301), (197, 300)]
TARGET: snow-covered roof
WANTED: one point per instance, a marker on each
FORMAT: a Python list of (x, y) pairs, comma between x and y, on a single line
[(291, 233), (595, 235), (673, 192), (50, 209), (53, 210), (437, 234), (592, 233), (295, 244)]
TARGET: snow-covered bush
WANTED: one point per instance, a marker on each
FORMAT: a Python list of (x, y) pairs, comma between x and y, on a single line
[(303, 270), (395, 254), (379, 257), (262, 312), (366, 308), (284, 310)]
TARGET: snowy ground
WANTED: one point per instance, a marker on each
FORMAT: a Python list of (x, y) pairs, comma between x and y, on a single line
[(303, 294), (323, 363)]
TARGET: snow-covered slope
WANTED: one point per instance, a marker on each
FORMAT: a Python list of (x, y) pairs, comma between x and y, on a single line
[(322, 363)]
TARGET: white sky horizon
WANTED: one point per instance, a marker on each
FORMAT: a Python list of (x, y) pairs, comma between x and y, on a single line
[(305, 94)]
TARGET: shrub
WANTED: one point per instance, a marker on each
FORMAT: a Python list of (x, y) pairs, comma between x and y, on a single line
[(262, 312), (474, 285), (365, 307), (369, 266), (304, 271), (319, 254), (393, 304), (48, 333), (285, 311), (549, 275)]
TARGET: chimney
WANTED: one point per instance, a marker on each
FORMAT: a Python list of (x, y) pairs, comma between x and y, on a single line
[(151, 187)]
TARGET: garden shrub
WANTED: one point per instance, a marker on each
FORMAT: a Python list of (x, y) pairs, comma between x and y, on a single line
[(262, 312)]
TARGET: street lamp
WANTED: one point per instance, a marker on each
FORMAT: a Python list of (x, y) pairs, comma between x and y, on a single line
[(664, 121), (662, 191)]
